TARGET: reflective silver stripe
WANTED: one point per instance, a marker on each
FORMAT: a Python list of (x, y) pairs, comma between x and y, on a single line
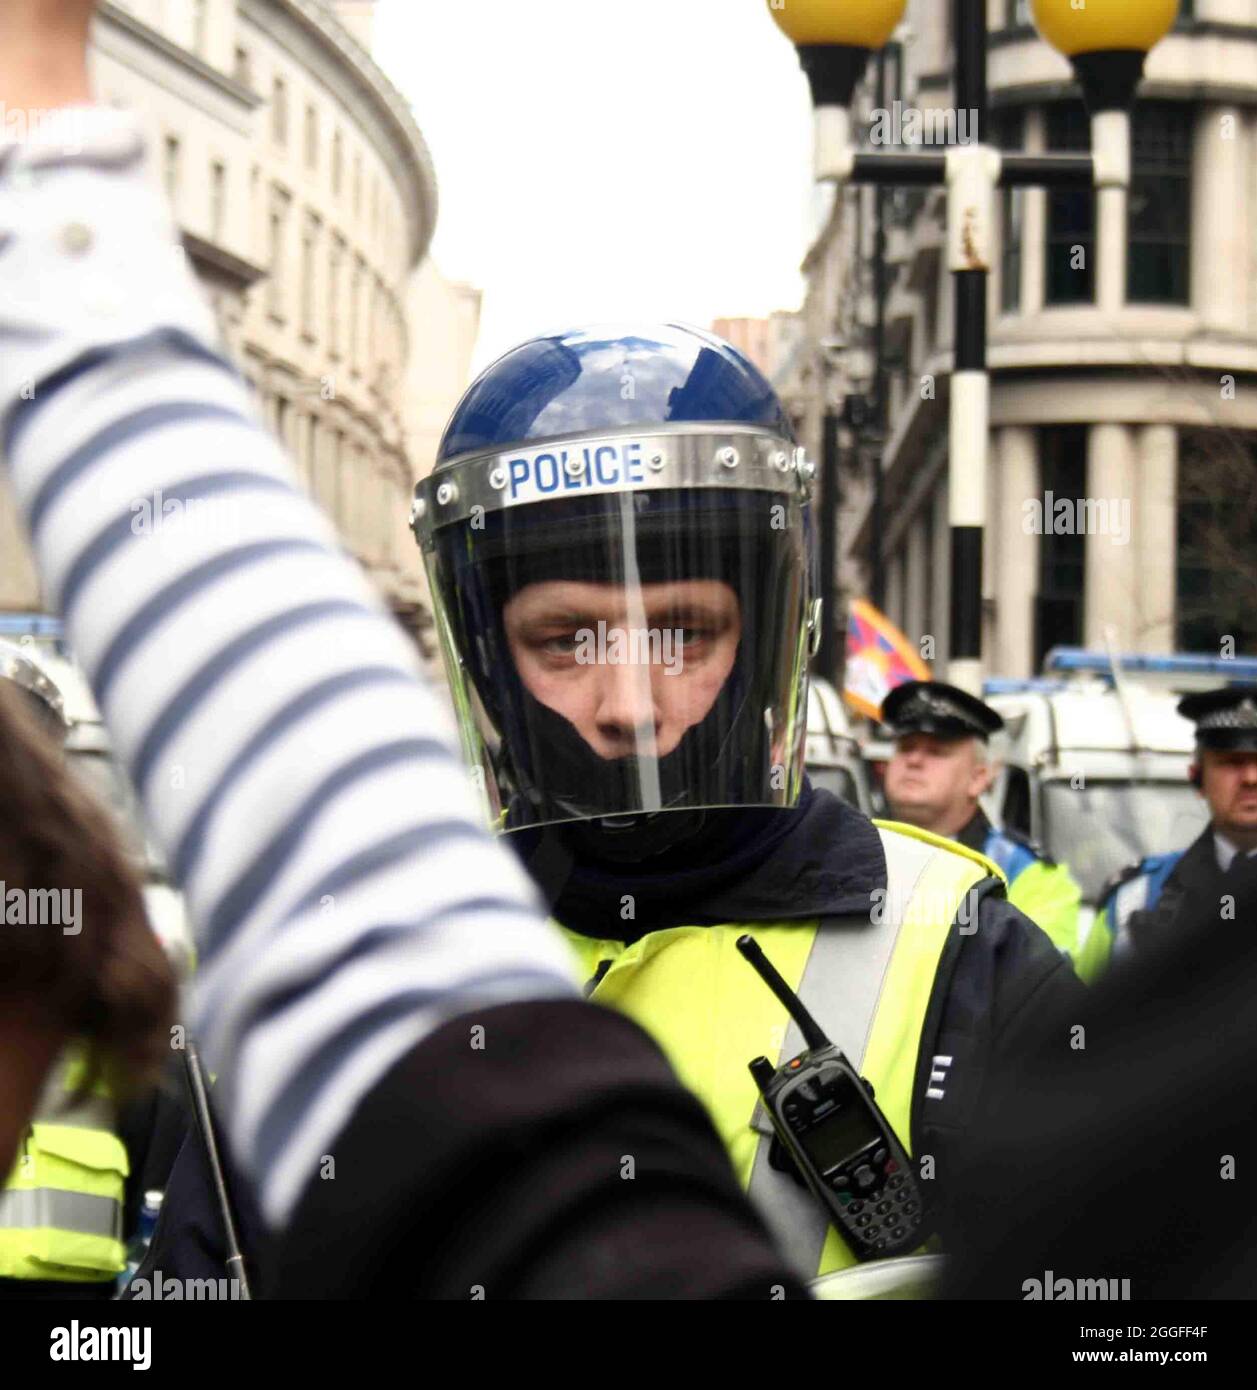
[(841, 985), (34, 1208), (94, 1112)]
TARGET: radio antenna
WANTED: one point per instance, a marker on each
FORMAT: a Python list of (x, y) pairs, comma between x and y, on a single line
[(812, 1032)]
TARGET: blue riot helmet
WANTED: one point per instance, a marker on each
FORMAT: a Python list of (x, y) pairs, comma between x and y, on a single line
[(618, 539)]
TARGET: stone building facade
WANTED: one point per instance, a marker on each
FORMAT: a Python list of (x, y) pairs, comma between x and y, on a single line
[(307, 201), (1134, 402)]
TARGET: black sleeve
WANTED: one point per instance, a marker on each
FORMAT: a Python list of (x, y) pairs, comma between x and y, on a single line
[(1000, 992), (152, 1129), (559, 1159), (1123, 1150), (1033, 982), (190, 1240)]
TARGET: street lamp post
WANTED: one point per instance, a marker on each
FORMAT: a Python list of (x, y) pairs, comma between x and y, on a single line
[(1107, 41)]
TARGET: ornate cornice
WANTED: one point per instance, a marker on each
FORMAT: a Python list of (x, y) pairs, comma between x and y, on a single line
[(404, 149), (173, 52)]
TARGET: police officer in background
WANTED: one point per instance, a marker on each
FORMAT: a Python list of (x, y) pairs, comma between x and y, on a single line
[(73, 1197), (939, 770), (61, 1207), (620, 550), (1142, 904)]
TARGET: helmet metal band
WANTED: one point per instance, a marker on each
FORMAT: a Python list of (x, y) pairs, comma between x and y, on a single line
[(628, 461)]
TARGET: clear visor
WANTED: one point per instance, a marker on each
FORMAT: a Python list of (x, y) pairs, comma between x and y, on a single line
[(630, 653)]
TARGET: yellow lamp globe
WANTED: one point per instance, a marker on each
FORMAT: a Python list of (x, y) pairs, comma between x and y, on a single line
[(1102, 26), (849, 23)]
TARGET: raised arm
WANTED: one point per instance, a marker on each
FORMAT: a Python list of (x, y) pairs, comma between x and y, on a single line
[(376, 983), (299, 775)]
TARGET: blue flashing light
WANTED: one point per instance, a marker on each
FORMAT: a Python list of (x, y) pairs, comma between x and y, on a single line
[(1078, 660), (31, 625), (1013, 685)]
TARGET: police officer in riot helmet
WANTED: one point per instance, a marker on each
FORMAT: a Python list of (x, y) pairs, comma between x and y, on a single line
[(619, 541)]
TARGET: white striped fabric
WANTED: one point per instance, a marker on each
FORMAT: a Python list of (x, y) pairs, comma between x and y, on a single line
[(301, 778)]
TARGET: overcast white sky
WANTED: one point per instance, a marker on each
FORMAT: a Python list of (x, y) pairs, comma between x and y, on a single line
[(600, 160)]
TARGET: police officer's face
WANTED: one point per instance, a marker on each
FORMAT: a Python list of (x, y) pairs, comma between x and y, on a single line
[(935, 782), (1229, 784), (631, 669)]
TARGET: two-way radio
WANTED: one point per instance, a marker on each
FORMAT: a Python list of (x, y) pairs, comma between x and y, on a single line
[(843, 1147)]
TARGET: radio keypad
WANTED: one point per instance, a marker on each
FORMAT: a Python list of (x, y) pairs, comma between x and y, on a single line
[(895, 1215)]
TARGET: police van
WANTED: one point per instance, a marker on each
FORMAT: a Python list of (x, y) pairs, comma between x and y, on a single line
[(834, 760), (1095, 762)]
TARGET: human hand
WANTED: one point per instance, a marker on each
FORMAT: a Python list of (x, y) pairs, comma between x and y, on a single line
[(43, 59)]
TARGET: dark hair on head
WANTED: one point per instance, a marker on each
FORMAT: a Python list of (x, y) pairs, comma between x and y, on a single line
[(108, 984)]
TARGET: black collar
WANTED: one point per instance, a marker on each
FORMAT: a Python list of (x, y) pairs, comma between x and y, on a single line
[(820, 859), (974, 832)]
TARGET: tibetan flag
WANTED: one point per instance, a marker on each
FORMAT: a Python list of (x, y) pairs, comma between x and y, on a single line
[(879, 657)]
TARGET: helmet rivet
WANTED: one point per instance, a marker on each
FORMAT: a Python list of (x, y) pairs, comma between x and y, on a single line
[(655, 461), (574, 466), (729, 457), (781, 461), (497, 477), (445, 494), (807, 469), (418, 508)]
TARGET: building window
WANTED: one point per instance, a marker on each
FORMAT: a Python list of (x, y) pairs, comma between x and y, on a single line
[(1216, 579), (170, 168), (309, 251), (355, 313), (310, 463), (1071, 213), (281, 423), (374, 330), (357, 184), (218, 199), (928, 584), (1010, 134), (278, 229), (361, 535), (243, 71), (339, 487), (336, 262), (1062, 559), (338, 161), (1158, 268), (279, 111), (312, 138), (199, 17)]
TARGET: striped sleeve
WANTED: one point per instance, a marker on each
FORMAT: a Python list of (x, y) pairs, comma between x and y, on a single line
[(301, 778)]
